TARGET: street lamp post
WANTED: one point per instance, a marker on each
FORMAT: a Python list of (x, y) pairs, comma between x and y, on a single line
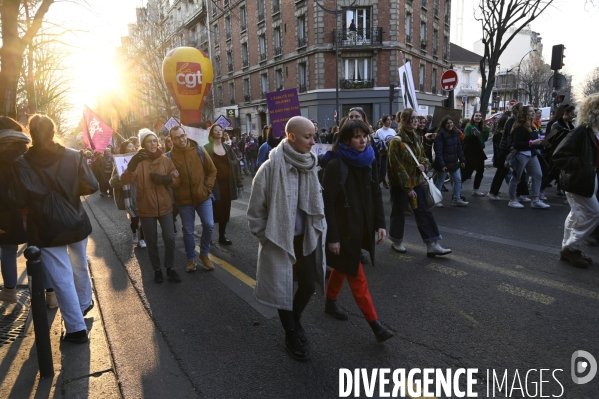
[(518, 80)]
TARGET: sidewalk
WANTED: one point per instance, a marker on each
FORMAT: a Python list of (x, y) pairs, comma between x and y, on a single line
[(80, 370)]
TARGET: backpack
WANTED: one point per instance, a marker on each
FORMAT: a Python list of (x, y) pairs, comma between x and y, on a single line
[(200, 154)]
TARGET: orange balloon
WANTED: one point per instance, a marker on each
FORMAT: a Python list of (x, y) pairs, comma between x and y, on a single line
[(188, 74)]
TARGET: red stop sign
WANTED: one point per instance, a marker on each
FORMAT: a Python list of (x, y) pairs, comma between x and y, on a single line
[(513, 102), (449, 80)]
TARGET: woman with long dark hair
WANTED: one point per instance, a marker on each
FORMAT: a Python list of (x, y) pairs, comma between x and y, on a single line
[(228, 180), (525, 143), (449, 158), (499, 157), (354, 215), (407, 183), (52, 178), (475, 136)]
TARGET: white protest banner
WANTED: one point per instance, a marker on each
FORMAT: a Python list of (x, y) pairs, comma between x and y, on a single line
[(121, 162), (321, 149), (197, 134), (406, 82)]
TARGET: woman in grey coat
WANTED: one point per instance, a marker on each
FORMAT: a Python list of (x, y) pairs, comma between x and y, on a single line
[(286, 213)]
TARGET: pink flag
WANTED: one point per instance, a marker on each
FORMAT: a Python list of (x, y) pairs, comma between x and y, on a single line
[(96, 133)]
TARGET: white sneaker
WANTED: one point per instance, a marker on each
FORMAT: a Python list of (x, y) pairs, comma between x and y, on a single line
[(142, 244), (542, 197), (135, 238), (398, 247), (478, 193), (515, 204), (439, 205), (494, 197), (539, 205), (434, 249), (459, 202), (523, 198)]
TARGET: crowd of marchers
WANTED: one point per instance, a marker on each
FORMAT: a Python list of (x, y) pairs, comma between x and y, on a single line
[(313, 215)]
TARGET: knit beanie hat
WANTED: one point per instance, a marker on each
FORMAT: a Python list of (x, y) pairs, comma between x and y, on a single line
[(12, 136), (143, 133)]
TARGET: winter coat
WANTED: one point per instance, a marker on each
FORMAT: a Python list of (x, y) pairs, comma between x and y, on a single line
[(576, 156), (11, 217), (274, 274), (234, 172), (402, 170), (352, 226), (251, 150), (474, 146), (196, 179), (448, 150), (152, 201), (521, 140), (67, 171)]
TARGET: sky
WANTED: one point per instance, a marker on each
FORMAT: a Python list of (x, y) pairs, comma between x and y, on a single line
[(99, 25), (564, 22)]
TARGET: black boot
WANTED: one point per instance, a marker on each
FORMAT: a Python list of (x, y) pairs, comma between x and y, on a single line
[(301, 333), (294, 346), (331, 308), (222, 238), (380, 332)]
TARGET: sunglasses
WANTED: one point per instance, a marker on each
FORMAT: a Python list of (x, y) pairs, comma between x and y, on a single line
[(359, 109)]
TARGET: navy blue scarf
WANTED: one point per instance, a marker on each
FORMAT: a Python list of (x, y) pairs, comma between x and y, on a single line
[(354, 157)]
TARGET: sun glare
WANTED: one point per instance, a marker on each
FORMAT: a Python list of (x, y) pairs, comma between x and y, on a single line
[(96, 75)]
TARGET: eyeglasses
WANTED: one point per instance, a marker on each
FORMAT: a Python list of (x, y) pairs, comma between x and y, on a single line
[(181, 137), (359, 109)]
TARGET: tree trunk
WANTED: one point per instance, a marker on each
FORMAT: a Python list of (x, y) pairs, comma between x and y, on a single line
[(11, 56)]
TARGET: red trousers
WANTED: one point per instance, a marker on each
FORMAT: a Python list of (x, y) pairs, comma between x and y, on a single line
[(359, 289)]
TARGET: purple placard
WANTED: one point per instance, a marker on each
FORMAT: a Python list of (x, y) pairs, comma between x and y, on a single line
[(282, 106)]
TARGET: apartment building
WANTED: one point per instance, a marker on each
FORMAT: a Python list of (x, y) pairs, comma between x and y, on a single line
[(260, 46)]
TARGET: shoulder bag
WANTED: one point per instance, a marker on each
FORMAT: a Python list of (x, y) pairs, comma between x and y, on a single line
[(433, 195)]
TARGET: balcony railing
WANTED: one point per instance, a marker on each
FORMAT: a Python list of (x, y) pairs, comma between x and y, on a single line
[(263, 57), (356, 84), (360, 37), (303, 88), (302, 41), (230, 67), (245, 63), (278, 51), (247, 97), (261, 16)]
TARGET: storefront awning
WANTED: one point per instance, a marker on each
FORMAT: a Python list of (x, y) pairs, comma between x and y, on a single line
[(468, 93)]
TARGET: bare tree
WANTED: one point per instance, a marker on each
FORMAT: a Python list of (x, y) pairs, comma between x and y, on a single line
[(501, 21), (51, 82), (591, 83), (534, 76)]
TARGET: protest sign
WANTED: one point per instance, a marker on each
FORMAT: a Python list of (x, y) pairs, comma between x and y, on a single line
[(282, 106), (321, 149), (197, 134), (121, 162)]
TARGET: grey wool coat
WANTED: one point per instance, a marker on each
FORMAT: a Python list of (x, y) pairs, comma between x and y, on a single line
[(274, 275)]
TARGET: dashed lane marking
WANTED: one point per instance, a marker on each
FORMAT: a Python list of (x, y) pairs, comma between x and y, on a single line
[(446, 270), (530, 295)]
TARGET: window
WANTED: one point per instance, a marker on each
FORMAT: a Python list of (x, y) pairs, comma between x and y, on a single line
[(356, 73), (278, 42), (220, 95), (303, 77), (218, 65), (408, 28), (421, 76), (302, 39), (423, 41), (424, 4), (243, 18), (435, 42), (261, 10), (214, 7), (362, 22), (445, 47), (228, 27), (279, 79), (232, 92), (230, 61), (262, 43), (244, 55), (193, 36), (434, 80), (447, 11), (248, 123), (246, 90), (436, 9), (264, 84), (276, 6), (179, 14), (216, 35)]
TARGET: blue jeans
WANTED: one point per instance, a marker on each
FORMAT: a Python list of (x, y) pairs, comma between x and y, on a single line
[(521, 163), (8, 262), (456, 179), (188, 217)]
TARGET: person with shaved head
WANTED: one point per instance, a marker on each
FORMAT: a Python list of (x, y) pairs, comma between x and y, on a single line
[(286, 214)]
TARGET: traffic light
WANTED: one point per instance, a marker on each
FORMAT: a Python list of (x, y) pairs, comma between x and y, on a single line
[(391, 92), (557, 57), (463, 104), (560, 99)]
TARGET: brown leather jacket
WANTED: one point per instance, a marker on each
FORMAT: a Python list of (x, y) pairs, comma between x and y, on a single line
[(152, 200), (197, 180)]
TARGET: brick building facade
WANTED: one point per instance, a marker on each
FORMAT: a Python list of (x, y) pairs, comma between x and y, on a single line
[(259, 46)]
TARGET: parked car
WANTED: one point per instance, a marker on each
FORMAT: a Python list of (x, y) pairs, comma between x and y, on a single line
[(492, 121)]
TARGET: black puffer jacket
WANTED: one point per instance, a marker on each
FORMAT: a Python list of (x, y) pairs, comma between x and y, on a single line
[(68, 172), (11, 216), (576, 157), (448, 150)]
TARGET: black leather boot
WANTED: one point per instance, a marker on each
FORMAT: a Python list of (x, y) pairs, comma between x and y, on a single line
[(301, 333), (294, 346), (331, 308), (222, 238), (380, 332)]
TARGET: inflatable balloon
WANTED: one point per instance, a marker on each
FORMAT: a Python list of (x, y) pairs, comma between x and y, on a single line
[(187, 73)]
